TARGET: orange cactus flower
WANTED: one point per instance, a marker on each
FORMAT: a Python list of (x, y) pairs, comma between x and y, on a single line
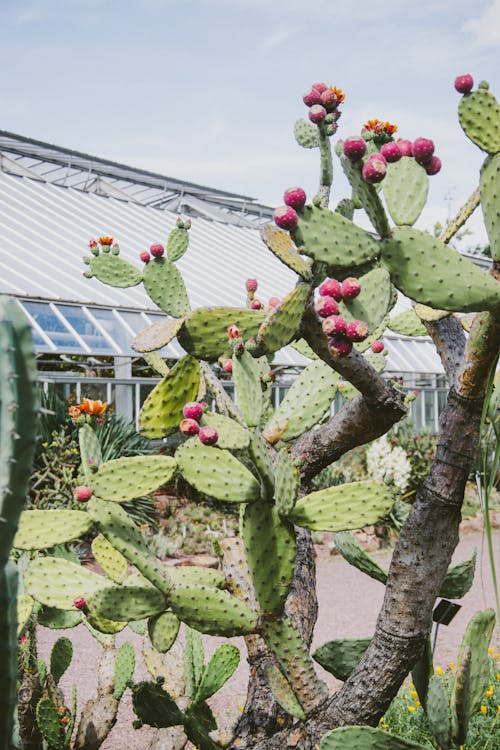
[(74, 412), (339, 94), (375, 125), (92, 407), (106, 240), (389, 128)]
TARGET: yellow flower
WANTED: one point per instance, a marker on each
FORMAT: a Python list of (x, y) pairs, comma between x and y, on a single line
[(489, 692), (496, 655), (240, 708), (498, 709), (451, 665), (484, 710), (106, 240), (498, 675), (411, 709), (339, 94), (414, 694), (417, 704), (491, 650), (439, 670), (411, 686)]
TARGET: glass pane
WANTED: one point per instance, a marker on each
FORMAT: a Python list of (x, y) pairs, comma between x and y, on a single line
[(429, 409), (86, 329), (112, 326), (134, 320), (53, 327)]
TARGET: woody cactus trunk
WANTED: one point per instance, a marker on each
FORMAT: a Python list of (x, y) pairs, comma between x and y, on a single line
[(264, 459)]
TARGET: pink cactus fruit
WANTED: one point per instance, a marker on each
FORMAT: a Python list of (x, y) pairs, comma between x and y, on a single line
[(405, 147), (464, 84), (189, 427), (331, 288), (79, 602), (391, 152), (423, 149), (354, 147), (312, 97), (239, 347), (157, 250), (433, 166), (82, 493), (320, 87), (317, 113), (334, 325), (256, 304), (227, 365), (251, 285), (295, 198), (285, 217), (350, 288), (374, 169), (273, 302), (145, 257), (193, 410), (357, 330), (208, 435), (377, 346), (340, 346), (329, 100), (233, 332), (326, 306)]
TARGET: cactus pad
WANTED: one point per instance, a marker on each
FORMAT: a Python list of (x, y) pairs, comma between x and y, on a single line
[(114, 271), (328, 237), (165, 285), (365, 738), (246, 375), (47, 719), (429, 272), (196, 574), (282, 324), (56, 582), (58, 619), (407, 323), (459, 579), (124, 479), (438, 711), (280, 243), (305, 403), (479, 115), (490, 201), (347, 545), (177, 244), (341, 656), (261, 457), (346, 506), (478, 637), (42, 529), (25, 604), (460, 698), (60, 658), (212, 611), (154, 706), (219, 669), (306, 134), (282, 691), (124, 668), (111, 561), (287, 483), (126, 603), (163, 629), (374, 301), (162, 411), (204, 333), (103, 625), (367, 196), (90, 451), (406, 185), (216, 473), (194, 659), (232, 436), (157, 335)]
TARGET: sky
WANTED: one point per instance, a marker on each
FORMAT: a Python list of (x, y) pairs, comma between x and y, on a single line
[(209, 90)]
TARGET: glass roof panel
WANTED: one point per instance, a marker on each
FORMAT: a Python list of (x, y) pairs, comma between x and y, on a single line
[(53, 327), (86, 329), (110, 324)]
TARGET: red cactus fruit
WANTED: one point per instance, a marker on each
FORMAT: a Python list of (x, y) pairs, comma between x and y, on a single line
[(377, 347), (272, 375), (233, 332), (405, 147), (208, 435), (189, 427), (391, 152), (340, 346), (256, 304), (350, 288), (273, 302), (374, 169), (157, 250), (354, 147), (193, 410), (145, 257), (82, 493), (464, 84), (357, 330), (227, 365), (317, 113), (433, 166), (320, 87), (312, 97), (334, 325), (423, 149), (79, 602), (329, 100), (326, 306), (239, 347), (295, 198), (331, 288), (251, 285), (285, 217)]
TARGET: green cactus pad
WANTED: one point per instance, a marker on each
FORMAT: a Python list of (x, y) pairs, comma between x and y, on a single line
[(345, 208), (114, 271), (58, 619), (196, 574), (373, 302), (429, 272), (104, 625), (428, 314), (328, 237), (178, 242), (194, 661), (47, 719), (114, 523), (270, 553), (460, 698), (367, 196), (347, 545), (126, 603), (341, 656), (306, 134), (167, 666), (25, 605), (56, 582), (293, 656), (422, 671), (406, 185), (287, 483), (232, 435), (124, 668), (346, 506), (60, 658), (280, 688), (490, 201), (246, 376), (282, 323), (157, 335), (261, 457), (479, 115), (219, 669), (216, 472), (163, 629), (407, 323), (438, 711), (459, 579), (478, 637), (280, 243), (305, 403), (212, 611), (42, 529), (165, 285), (154, 706), (161, 413), (111, 561), (124, 479), (303, 348), (156, 363), (365, 738), (90, 451), (204, 333)]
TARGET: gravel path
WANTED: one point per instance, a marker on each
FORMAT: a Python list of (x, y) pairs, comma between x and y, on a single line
[(348, 605)]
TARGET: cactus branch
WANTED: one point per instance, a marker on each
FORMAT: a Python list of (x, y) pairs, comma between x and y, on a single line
[(326, 172), (449, 339), (463, 215)]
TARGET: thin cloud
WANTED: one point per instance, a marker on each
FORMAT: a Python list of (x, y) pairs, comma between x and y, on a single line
[(486, 27), (278, 37)]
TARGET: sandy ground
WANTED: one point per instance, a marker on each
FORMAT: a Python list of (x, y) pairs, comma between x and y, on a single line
[(348, 605)]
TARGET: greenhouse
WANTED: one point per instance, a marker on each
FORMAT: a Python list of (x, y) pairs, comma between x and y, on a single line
[(54, 200)]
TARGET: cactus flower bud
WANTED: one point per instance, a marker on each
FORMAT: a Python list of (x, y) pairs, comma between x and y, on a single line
[(189, 427), (464, 84), (233, 332), (208, 435), (374, 169), (79, 602), (145, 257), (333, 325), (227, 365), (354, 147), (256, 304), (82, 493), (286, 217), (405, 147), (321, 87), (251, 285), (377, 347), (357, 330), (391, 152), (311, 97), (295, 198), (326, 306), (340, 346), (193, 410), (350, 288), (317, 113), (157, 250), (273, 302), (433, 166), (331, 288), (423, 149)]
